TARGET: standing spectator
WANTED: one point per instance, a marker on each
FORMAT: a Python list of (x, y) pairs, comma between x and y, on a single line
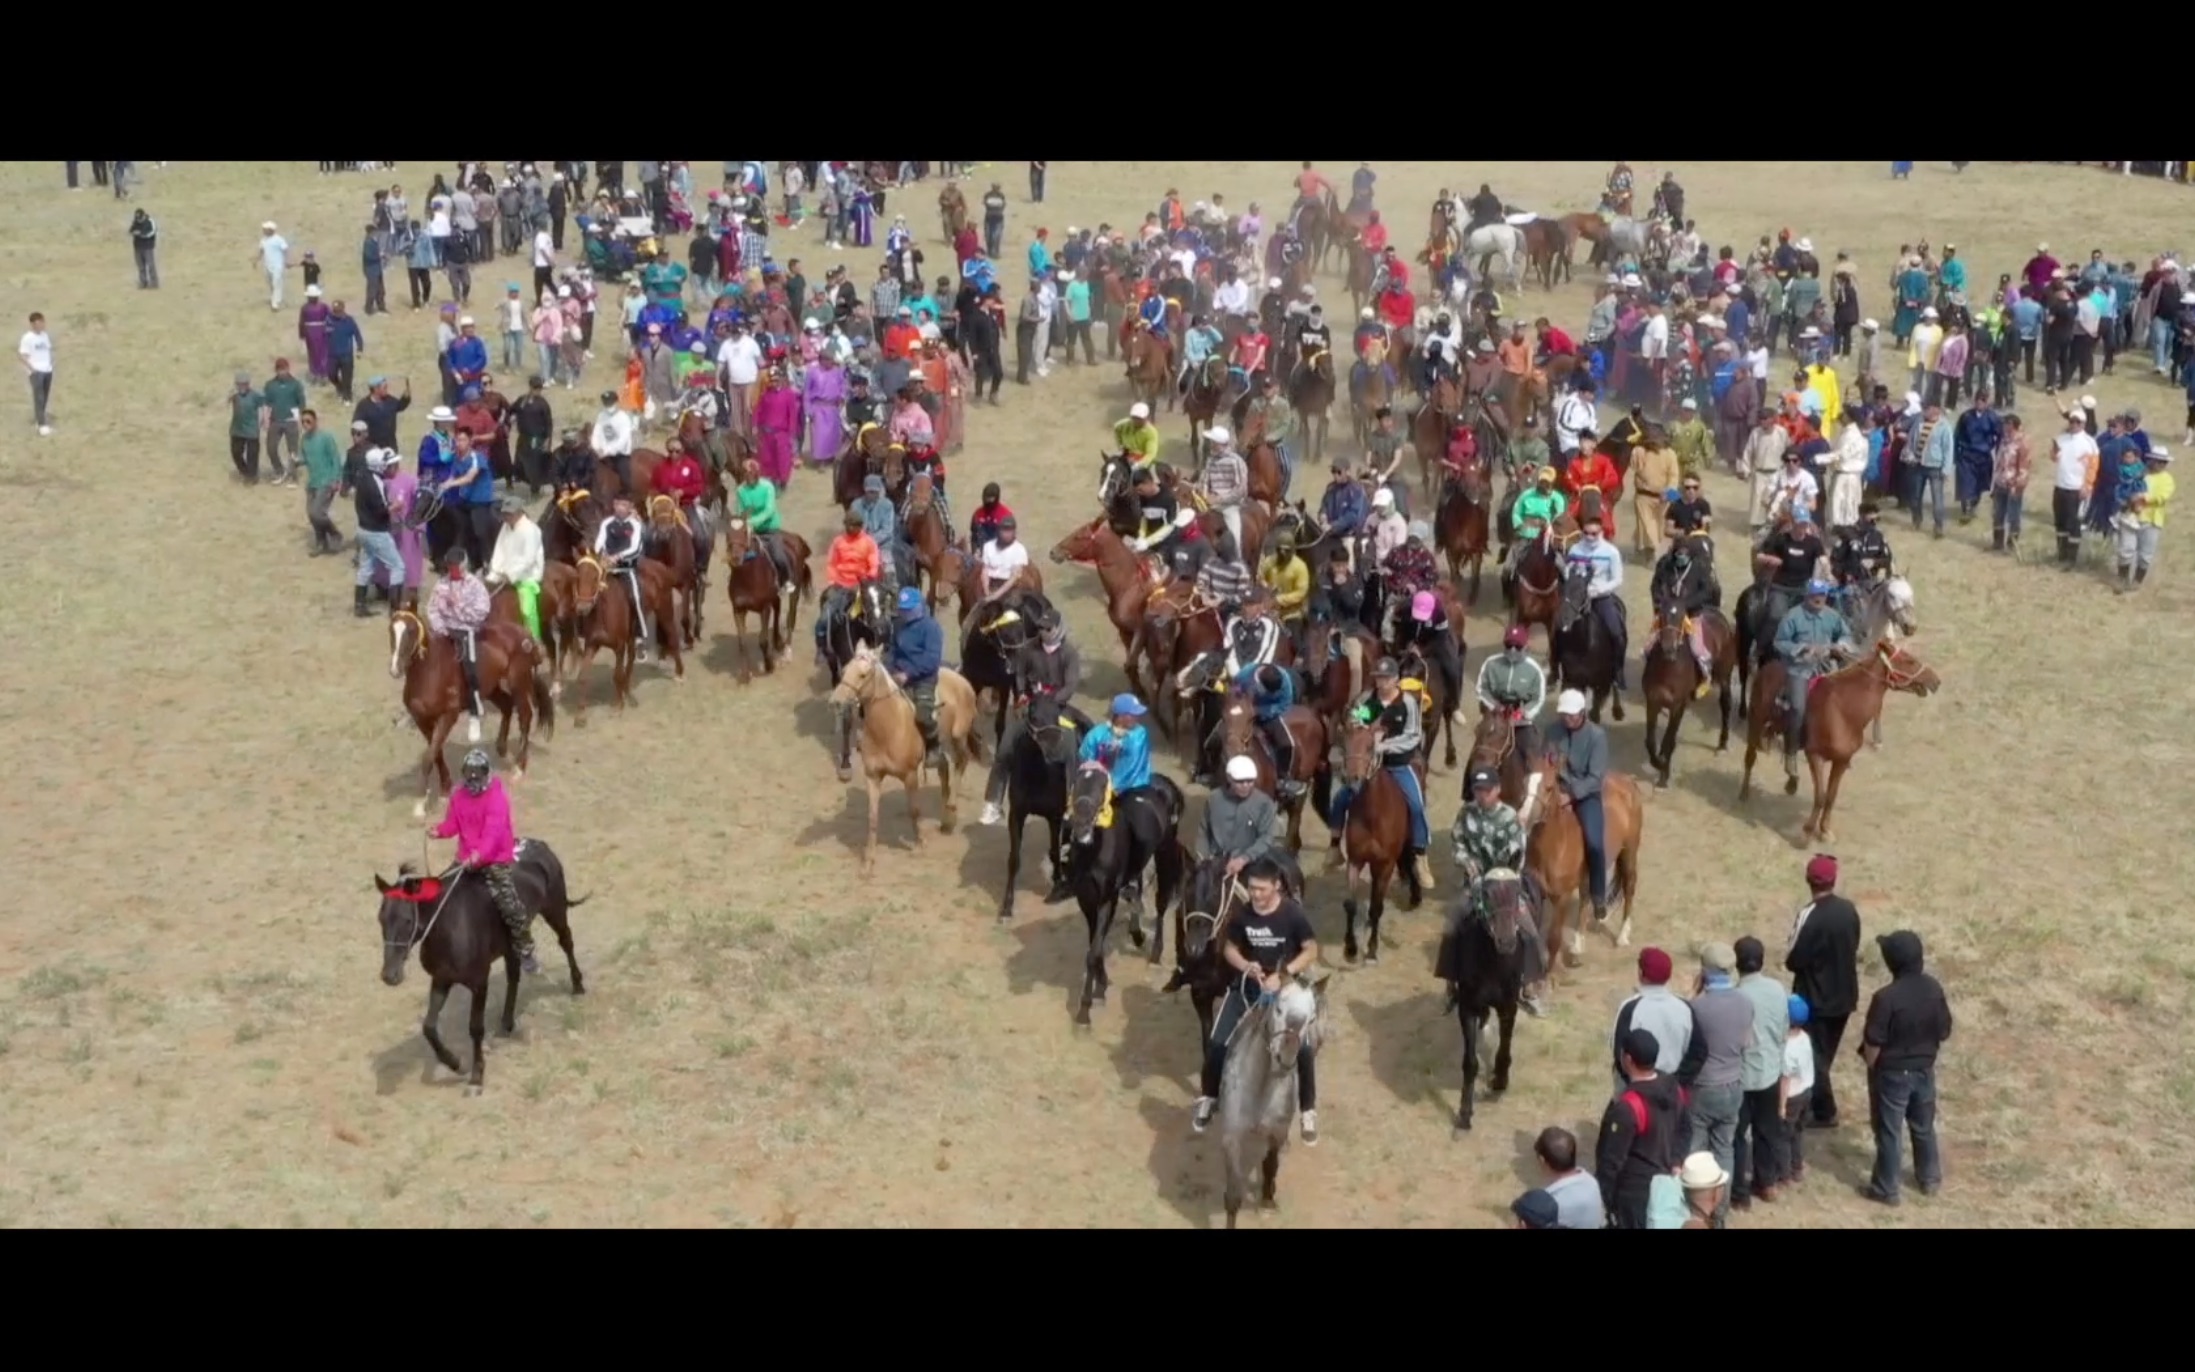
[(1028, 328), (274, 260), (1714, 1065), (1537, 1210), (2074, 461), (1706, 1183), (1797, 1088), (247, 410), (372, 257), (284, 395), (144, 239), (545, 247), (1908, 1022), (1759, 1148), (423, 256), (323, 463), (560, 200), (1076, 307), (1640, 1143), (1975, 440), (980, 335), (994, 222), (741, 359), (1577, 1198), (2138, 541), (345, 343), (1656, 1009), (36, 350), (1036, 181), (512, 316), (1047, 313), (1824, 963), (2010, 468)]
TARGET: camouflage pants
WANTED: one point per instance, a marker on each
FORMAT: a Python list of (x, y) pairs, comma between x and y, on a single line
[(503, 886)]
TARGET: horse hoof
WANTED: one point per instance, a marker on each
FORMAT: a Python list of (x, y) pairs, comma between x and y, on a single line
[(1463, 1124), (845, 774), (473, 1090), (419, 811), (1371, 959), (1661, 783), (1791, 787)]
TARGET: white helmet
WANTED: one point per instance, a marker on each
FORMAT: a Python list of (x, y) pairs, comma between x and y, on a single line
[(1139, 410), (1273, 285), (1571, 703), (1241, 768), (1222, 437)]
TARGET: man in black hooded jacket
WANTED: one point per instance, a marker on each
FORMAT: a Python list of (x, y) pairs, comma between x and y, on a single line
[(1642, 1133), (1908, 1022)]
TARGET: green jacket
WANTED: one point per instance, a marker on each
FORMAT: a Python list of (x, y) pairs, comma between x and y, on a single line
[(323, 460), (758, 502), (245, 408), (285, 397), (1532, 505), (1529, 454)]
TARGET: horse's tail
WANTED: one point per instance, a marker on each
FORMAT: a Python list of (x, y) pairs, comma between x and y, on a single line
[(544, 701), (575, 904)]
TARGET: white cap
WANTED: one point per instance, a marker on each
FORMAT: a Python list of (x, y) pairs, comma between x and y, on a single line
[(2042, 247), (2160, 454), (1383, 499), (1571, 703), (465, 321), (1310, 292), (1869, 325), (1690, 403), (1241, 768), (1273, 285), (1486, 345), (267, 227), (563, 292), (1632, 279), (1139, 410), (1930, 313), (1219, 436), (1365, 313), (1806, 245), (2088, 402), (312, 292)]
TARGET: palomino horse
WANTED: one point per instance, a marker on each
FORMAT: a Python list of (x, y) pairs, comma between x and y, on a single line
[(1257, 1089), (1555, 855), (435, 696), (869, 452), (1150, 360), (753, 583), (1838, 708), (1371, 389), (1372, 837), (1670, 679), (672, 543), (1482, 958), (1534, 589), (1460, 522), (1587, 657), (891, 744), (1240, 736), (1208, 388), (1127, 578), (1311, 395), (1109, 843), (605, 616), (454, 923), (1442, 411)]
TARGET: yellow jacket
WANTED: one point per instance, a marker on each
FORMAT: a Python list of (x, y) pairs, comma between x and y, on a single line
[(1140, 439), (1289, 583), (1823, 382)]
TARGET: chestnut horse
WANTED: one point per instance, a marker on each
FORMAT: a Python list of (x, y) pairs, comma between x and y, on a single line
[(1150, 362), (1311, 395), (1671, 679), (605, 617), (1372, 837), (1129, 581), (1460, 522), (1534, 589), (1442, 411), (435, 696), (1240, 736), (1555, 855), (553, 605), (1839, 706), (936, 559), (753, 583), (672, 544)]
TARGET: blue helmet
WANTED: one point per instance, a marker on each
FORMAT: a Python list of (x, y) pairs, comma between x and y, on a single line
[(1800, 1011), (1125, 704), (910, 600), (1818, 587), (1802, 515)]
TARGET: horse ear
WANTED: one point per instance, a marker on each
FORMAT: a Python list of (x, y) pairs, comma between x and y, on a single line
[(1318, 988), (379, 885)]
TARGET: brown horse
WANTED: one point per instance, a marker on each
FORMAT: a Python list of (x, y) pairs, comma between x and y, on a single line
[(1372, 837), (1311, 396), (1460, 522), (1362, 270), (1129, 581), (1671, 680), (1150, 362), (1494, 749), (604, 613), (1371, 389), (553, 605), (1207, 396), (568, 525), (671, 543), (1241, 737), (936, 557), (434, 691), (891, 744), (1547, 251), (952, 211), (1338, 679), (971, 589), (1583, 228), (1178, 628), (1531, 395), (720, 449), (1839, 706), (869, 451), (752, 582), (1555, 854), (1535, 588), (1429, 427)]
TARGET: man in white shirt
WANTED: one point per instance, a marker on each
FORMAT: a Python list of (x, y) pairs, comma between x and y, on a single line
[(1603, 566), (1654, 339), (1047, 310), (544, 262), (274, 260), (519, 562), (1574, 418), (740, 359), (1796, 489), (612, 439), (1004, 559), (1232, 299), (36, 350), (2073, 465)]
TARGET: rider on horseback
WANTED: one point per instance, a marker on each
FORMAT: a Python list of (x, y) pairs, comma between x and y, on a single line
[(1047, 665), (574, 466), (1512, 683), (1809, 640), (1198, 346), (1449, 336), (1863, 554), (1597, 559), (1226, 480), (457, 612), (518, 562), (620, 542), (1242, 825), (916, 655), (479, 818), (1537, 510), (1272, 692), (1485, 209), (681, 477), (758, 505), (1137, 437), (613, 438), (1489, 838), (1427, 629), (854, 563), (1267, 944), (1398, 717), (1688, 585)]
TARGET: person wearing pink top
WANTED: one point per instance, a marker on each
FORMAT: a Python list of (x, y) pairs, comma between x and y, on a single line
[(479, 818)]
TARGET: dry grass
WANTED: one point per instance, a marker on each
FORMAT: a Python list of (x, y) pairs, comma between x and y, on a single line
[(192, 1028)]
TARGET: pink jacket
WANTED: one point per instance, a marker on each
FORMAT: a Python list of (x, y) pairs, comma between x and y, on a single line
[(481, 825)]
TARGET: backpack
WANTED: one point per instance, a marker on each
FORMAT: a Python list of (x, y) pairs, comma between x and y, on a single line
[(1640, 1116)]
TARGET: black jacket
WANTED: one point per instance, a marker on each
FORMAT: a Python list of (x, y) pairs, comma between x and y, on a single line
[(371, 506), (1825, 958), (1629, 1158), (1908, 1020)]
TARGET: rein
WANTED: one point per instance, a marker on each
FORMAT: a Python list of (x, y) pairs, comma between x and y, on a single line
[(418, 935), (419, 649)]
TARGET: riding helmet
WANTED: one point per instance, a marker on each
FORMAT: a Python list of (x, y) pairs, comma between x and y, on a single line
[(1270, 678), (1482, 779), (476, 770)]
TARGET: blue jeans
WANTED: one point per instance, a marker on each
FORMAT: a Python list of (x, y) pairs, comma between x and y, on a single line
[(1715, 1126), (1232, 1007), (1420, 835), (548, 353), (514, 350), (2161, 335), (379, 549), (1924, 486), (2004, 513), (1590, 823), (1904, 1099)]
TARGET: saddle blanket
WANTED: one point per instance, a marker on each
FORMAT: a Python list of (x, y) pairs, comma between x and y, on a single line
[(1521, 219)]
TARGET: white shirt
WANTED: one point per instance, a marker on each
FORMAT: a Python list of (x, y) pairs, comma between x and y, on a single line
[(1232, 298), (1606, 562), (36, 350), (2073, 453), (1047, 302), (741, 359), (1187, 261), (1797, 490), (1852, 451), (514, 315), (1798, 1063), (613, 434), (1654, 342), (1757, 361), (1003, 564), (518, 556), (274, 251), (1575, 415), (544, 249)]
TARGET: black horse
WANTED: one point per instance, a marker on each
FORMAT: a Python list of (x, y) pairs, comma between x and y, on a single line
[(1036, 787), (851, 619), (1482, 960), (453, 921), (1587, 657), (1106, 862), (1760, 611), (994, 635), (1200, 930)]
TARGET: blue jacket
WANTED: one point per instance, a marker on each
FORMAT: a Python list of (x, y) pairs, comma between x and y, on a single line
[(1978, 431), (1126, 757), (370, 254), (435, 453), (1344, 509), (1269, 704), (344, 337), (469, 356), (918, 649)]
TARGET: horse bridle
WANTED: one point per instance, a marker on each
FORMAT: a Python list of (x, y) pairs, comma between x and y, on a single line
[(419, 649), (418, 935)]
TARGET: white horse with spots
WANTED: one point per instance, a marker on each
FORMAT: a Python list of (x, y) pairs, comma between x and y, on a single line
[(1257, 1086)]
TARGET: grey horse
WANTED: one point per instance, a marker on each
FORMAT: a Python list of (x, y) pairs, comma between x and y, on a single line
[(1628, 238), (1257, 1087)]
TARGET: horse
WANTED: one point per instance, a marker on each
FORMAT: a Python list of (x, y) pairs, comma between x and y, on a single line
[(1257, 1088), (1879, 609), (1482, 958), (672, 543), (1584, 228), (1489, 241), (1128, 581), (858, 619), (1037, 773), (1555, 855), (1240, 736), (752, 582), (1534, 588), (1337, 658), (1494, 749), (1362, 272), (891, 744), (869, 451), (604, 615), (1547, 251), (1108, 846), (459, 932), (1460, 521), (987, 648), (554, 608), (1208, 387), (931, 541), (1670, 679), (435, 696), (1371, 837), (1586, 656), (1442, 411), (1838, 708), (720, 449), (568, 524), (1311, 396), (1371, 389), (1179, 629), (1150, 362)]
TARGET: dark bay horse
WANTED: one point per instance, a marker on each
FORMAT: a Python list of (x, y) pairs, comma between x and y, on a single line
[(604, 611), (1460, 523), (937, 555), (1839, 707), (1372, 836), (671, 542), (568, 524), (453, 921), (1240, 736), (989, 643), (1109, 843), (508, 668), (1371, 389), (1037, 773), (869, 452), (1208, 387), (1482, 959), (1670, 679), (755, 588), (1494, 749), (1586, 656), (1442, 411), (861, 620), (1311, 396)]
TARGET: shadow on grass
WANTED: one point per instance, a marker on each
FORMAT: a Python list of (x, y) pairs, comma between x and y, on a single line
[(1187, 1169), (1415, 1048)]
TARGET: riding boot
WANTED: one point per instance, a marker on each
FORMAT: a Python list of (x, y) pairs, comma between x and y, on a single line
[(928, 729), (359, 608), (1996, 541), (1421, 868)]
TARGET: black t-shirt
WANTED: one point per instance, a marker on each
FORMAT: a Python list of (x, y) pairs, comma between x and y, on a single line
[(1272, 941), (1800, 550), (1690, 517), (994, 207)]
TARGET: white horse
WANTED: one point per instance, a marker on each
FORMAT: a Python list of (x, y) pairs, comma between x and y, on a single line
[(1504, 241), (1257, 1089)]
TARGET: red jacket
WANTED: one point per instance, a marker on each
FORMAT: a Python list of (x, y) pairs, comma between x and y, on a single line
[(1556, 343), (681, 478), (902, 341), (1596, 471), (1398, 309)]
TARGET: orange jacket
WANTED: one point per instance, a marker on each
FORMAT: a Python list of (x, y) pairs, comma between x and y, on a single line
[(854, 561)]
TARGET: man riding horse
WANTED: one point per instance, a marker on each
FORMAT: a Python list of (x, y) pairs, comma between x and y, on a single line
[(1684, 583), (1489, 841)]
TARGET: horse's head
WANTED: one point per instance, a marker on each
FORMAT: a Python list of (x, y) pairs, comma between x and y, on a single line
[(1055, 734), (1503, 900), (407, 642), (1907, 672), (1089, 795), (1528, 814), (921, 498), (739, 540), (857, 680), (401, 918), (1114, 478), (1238, 726), (892, 460), (1492, 742), (662, 513), (1359, 751), (587, 584), (1013, 621), (1669, 623), (1293, 1022), (1083, 545), (1897, 595), (1577, 581)]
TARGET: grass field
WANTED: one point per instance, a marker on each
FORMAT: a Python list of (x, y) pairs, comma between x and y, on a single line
[(205, 777)]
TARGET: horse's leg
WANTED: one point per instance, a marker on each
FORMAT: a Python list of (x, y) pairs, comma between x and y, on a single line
[(558, 917), (1668, 757), (1094, 921), (509, 1024), (1014, 819), (441, 764), (876, 803), (1505, 1014), (1752, 754), (1376, 906), (769, 627), (476, 1021), (1722, 745), (1348, 906), (1829, 801), (739, 643), (1627, 875), (438, 995), (1269, 1171), (1237, 1188), (1468, 1017)]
